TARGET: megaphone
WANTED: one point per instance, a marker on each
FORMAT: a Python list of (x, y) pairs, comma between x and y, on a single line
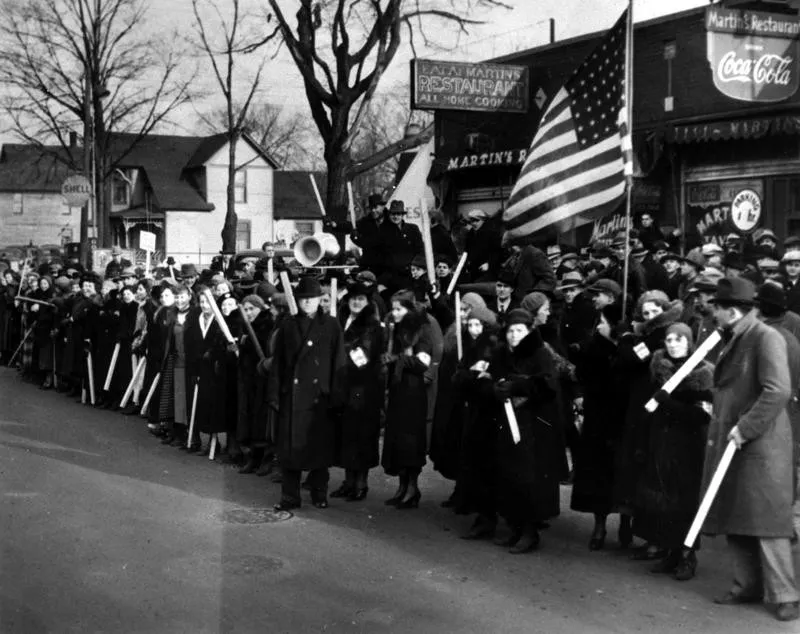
[(311, 249)]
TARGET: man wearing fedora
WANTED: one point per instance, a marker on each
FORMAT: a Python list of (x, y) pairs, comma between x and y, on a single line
[(753, 507), (116, 264), (307, 392), (399, 242), (367, 233)]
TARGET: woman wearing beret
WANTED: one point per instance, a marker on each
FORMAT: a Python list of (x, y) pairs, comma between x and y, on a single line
[(522, 373), (669, 490), (252, 424), (408, 357), (360, 424)]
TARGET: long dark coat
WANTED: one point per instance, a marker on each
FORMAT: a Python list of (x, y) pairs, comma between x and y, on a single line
[(360, 428), (405, 436), (105, 336), (42, 333), (752, 391), (305, 384), (252, 386), (604, 405), (206, 367), (476, 469), (452, 398), (126, 327), (11, 324), (81, 327), (528, 473), (669, 490), (635, 373)]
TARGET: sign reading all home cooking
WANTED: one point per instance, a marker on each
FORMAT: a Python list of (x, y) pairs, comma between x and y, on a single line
[(440, 85), (753, 55)]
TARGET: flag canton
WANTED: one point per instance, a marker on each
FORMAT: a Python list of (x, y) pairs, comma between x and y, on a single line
[(597, 88)]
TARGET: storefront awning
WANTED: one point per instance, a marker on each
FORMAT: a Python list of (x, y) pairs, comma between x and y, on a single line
[(755, 128), (138, 213)]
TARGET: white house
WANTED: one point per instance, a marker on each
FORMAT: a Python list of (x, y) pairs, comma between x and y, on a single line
[(173, 186)]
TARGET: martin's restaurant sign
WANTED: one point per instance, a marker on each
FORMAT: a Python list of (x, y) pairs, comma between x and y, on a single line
[(753, 55), (461, 86)]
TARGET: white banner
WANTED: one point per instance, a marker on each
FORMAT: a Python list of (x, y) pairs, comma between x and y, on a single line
[(413, 187)]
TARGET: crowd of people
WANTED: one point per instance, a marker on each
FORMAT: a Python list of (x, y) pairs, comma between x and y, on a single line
[(390, 369)]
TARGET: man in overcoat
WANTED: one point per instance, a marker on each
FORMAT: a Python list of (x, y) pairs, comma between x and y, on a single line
[(754, 505), (306, 388)]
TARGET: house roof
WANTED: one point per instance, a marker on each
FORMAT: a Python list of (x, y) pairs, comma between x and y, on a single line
[(30, 168), (294, 196), (209, 146)]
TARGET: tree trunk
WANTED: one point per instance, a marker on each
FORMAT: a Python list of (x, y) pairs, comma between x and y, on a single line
[(231, 219), (339, 162)]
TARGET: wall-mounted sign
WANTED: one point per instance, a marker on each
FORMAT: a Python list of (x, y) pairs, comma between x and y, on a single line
[(713, 210), (746, 210), (76, 190), (738, 129), (487, 159), (753, 55), (461, 86)]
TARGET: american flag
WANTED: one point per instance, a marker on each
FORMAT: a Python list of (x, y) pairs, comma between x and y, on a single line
[(581, 154)]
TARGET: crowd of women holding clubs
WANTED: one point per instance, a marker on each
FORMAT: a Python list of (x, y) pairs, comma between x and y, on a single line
[(513, 374)]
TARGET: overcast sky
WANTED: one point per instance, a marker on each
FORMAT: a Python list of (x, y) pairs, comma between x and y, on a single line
[(505, 31)]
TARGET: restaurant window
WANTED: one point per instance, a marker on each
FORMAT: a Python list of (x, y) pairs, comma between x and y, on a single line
[(243, 235), (240, 186)]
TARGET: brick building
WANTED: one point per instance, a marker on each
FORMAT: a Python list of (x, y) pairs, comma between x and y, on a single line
[(715, 114)]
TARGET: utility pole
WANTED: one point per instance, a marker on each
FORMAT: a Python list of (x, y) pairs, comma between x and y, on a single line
[(87, 211)]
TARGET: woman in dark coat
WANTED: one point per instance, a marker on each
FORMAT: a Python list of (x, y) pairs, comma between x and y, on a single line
[(126, 310), (29, 356), (604, 404), (42, 333), (251, 431), (408, 357), (359, 433), (205, 362), (669, 490), (155, 343), (635, 352), (81, 334), (451, 399), (229, 308), (528, 471), (475, 479), (11, 317)]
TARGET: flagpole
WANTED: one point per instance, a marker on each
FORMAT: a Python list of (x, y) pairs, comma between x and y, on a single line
[(629, 179)]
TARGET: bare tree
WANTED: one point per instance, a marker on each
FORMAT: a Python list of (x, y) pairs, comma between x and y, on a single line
[(223, 44), (283, 134), (376, 150), (96, 64), (343, 47)]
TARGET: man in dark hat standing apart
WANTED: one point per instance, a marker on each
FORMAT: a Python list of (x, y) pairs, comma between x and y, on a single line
[(116, 264), (399, 243), (753, 507), (307, 392), (367, 233)]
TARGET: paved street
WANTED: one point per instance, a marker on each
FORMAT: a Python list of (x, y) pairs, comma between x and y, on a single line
[(105, 530)]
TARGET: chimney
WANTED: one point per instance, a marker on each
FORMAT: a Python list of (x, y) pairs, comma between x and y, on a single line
[(73, 139)]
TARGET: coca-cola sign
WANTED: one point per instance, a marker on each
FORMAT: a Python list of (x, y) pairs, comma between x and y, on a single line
[(753, 55)]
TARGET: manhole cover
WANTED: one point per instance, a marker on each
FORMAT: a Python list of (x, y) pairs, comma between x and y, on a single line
[(254, 516), (250, 564)]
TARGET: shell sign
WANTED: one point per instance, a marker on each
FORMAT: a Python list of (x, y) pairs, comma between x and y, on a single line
[(753, 55)]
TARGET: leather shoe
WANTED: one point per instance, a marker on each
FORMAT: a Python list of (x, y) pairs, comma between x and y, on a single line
[(789, 611), (320, 503), (286, 505), (736, 598)]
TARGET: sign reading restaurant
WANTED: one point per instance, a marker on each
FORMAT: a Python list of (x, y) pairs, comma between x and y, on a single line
[(753, 55), (461, 86)]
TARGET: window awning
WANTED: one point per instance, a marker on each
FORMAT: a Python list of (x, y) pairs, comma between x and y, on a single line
[(755, 128)]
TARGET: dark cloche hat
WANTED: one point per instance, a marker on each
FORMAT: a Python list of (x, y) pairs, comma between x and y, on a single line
[(308, 287)]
